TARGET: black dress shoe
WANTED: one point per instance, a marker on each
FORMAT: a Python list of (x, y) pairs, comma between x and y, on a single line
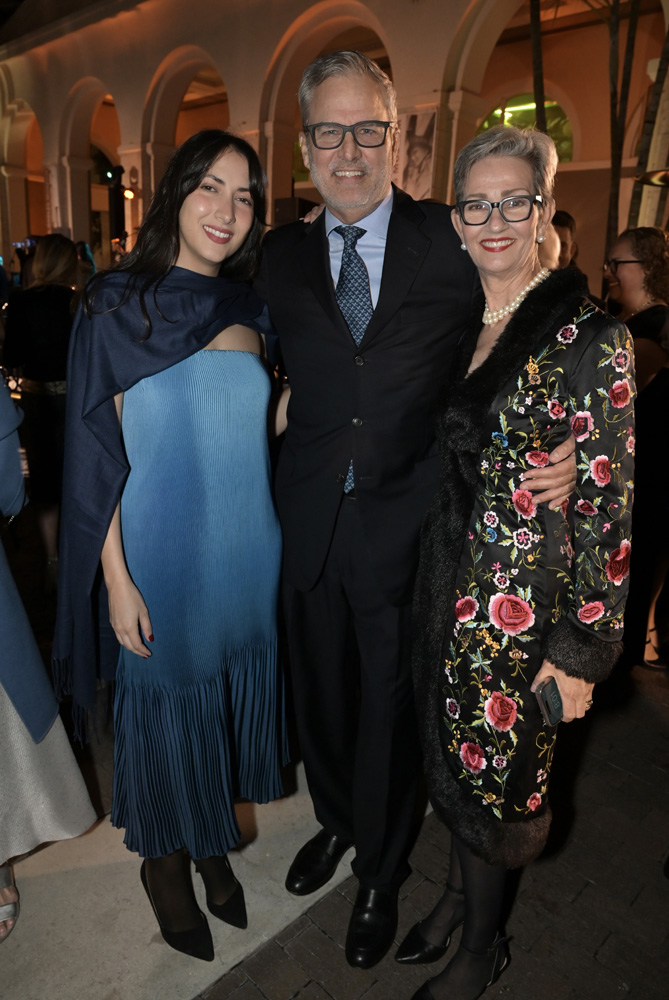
[(372, 928), (416, 950), (315, 863)]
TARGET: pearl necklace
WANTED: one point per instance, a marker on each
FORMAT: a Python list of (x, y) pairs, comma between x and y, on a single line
[(491, 316)]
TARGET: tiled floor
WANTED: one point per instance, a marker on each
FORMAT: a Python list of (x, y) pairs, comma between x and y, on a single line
[(589, 921)]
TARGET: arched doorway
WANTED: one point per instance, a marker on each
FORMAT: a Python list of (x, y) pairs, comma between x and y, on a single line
[(187, 93), (23, 196), (325, 28)]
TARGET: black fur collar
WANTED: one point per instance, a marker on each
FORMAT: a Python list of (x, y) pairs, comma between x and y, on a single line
[(549, 306)]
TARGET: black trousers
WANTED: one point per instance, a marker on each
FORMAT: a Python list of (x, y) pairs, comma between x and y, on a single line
[(351, 672)]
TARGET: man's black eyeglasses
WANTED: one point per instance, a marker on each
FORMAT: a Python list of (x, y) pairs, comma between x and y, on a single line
[(613, 262), (330, 135), (516, 208)]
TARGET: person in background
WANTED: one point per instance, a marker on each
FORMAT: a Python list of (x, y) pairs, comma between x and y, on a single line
[(637, 270), (510, 594), (565, 226), (42, 792), (87, 265), (37, 336)]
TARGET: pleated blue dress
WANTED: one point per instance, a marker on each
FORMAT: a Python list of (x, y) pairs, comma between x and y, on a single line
[(201, 721)]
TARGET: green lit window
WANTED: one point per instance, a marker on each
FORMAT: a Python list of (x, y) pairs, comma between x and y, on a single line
[(521, 111)]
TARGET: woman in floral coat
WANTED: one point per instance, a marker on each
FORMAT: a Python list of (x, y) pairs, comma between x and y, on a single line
[(510, 592)]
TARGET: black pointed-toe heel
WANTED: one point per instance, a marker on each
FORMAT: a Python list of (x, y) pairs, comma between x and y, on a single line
[(196, 942), (497, 954), (233, 910), (416, 950)]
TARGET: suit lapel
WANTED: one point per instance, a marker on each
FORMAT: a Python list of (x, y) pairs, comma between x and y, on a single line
[(314, 259), (406, 248)]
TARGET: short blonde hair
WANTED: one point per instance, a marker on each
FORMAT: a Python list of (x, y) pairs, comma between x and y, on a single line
[(536, 148)]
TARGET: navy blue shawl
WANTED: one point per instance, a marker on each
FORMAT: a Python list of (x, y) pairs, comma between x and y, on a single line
[(109, 353)]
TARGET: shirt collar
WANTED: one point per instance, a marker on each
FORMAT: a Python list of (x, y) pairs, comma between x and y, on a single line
[(376, 223)]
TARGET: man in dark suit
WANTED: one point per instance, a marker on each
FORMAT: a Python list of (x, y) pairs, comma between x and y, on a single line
[(357, 472)]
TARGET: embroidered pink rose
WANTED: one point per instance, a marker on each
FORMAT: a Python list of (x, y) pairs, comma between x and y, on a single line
[(581, 425), (586, 508), (473, 757), (524, 503), (510, 613), (534, 801), (500, 711), (618, 565), (591, 612), (538, 459), (466, 608), (621, 360), (452, 708), (556, 409), (619, 393), (600, 470), (567, 334)]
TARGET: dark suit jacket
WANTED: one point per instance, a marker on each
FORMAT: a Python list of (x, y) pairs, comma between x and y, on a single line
[(372, 403)]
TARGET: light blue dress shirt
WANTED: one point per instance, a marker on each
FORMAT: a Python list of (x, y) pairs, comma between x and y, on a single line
[(371, 246)]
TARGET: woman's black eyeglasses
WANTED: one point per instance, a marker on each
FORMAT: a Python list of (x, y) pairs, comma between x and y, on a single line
[(613, 262), (330, 135), (516, 208)]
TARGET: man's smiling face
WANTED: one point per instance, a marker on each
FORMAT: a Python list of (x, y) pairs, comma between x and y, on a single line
[(352, 180)]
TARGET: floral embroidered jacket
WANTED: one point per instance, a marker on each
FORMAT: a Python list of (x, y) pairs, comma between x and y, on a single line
[(504, 582)]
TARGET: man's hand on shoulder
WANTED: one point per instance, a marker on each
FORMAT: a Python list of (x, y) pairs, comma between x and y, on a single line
[(313, 213)]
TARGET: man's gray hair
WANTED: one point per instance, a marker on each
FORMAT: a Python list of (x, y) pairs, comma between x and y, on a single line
[(536, 148), (346, 62)]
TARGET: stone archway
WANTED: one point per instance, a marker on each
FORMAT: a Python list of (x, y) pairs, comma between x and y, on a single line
[(22, 194), (68, 179), (468, 56), (306, 37), (170, 82)]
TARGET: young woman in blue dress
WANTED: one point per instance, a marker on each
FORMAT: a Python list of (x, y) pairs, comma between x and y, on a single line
[(168, 491)]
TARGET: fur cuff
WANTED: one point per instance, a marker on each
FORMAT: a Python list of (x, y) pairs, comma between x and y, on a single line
[(580, 653)]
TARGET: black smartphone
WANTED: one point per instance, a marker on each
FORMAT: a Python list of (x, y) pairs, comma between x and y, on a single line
[(549, 700)]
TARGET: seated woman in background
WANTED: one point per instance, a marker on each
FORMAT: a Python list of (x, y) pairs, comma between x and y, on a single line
[(637, 270), (39, 321), (510, 593)]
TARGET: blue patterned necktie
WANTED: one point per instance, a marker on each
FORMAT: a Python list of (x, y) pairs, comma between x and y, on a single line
[(352, 292), (353, 298)]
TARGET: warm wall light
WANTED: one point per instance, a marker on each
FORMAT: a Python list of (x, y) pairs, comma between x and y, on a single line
[(128, 194)]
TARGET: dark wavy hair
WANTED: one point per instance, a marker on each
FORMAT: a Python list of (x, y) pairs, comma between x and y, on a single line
[(651, 247), (157, 246)]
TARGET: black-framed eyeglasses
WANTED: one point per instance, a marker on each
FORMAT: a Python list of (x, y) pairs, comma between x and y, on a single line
[(515, 208), (613, 262), (330, 135)]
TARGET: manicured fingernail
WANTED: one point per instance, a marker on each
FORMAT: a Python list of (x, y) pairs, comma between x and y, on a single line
[(151, 637)]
